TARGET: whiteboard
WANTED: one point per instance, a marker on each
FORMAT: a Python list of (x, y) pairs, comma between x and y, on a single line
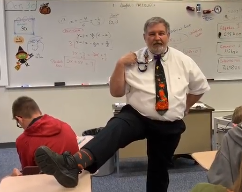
[(80, 42), (3, 56)]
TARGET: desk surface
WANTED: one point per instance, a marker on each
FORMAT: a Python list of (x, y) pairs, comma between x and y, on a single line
[(208, 109), (222, 121), (43, 182), (205, 159)]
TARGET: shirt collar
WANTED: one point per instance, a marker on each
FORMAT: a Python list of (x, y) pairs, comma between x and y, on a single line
[(34, 120), (164, 58)]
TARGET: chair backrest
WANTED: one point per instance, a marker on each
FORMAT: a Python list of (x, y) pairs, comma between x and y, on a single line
[(31, 170)]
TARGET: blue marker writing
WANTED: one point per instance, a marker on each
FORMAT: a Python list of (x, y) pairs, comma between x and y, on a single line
[(79, 142)]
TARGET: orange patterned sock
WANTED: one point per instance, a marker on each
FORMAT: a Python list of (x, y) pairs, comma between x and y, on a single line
[(83, 158)]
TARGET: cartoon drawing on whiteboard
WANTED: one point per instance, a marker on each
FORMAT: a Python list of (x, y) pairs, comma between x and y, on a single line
[(36, 46), (22, 57), (24, 25), (19, 40), (45, 9)]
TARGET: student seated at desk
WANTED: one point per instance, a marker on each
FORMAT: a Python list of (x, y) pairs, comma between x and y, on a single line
[(226, 165), (39, 129), (208, 187)]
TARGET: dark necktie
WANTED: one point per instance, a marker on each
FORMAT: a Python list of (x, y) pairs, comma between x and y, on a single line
[(162, 104)]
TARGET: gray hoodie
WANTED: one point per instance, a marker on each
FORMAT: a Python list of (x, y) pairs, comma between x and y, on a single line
[(226, 165)]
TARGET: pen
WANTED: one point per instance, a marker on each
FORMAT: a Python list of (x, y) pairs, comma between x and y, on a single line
[(81, 140)]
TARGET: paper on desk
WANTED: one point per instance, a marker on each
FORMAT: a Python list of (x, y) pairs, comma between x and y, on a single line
[(199, 105)]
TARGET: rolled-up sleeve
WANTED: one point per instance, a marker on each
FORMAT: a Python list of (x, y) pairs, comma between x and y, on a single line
[(198, 83), (127, 86)]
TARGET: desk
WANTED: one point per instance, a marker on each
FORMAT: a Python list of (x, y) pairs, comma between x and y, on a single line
[(219, 132), (198, 134), (205, 159), (196, 138), (43, 182)]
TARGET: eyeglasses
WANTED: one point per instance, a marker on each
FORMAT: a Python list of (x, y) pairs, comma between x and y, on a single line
[(18, 125), (144, 65)]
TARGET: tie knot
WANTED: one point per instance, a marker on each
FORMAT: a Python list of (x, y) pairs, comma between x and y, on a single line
[(157, 57)]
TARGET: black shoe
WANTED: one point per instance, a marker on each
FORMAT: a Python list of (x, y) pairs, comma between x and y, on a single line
[(63, 167)]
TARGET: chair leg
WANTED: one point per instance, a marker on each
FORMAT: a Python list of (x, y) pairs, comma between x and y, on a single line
[(117, 161)]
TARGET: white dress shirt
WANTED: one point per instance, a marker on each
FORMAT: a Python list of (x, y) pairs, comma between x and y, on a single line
[(183, 76)]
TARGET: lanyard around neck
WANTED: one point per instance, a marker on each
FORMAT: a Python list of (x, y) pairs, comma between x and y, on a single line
[(146, 56)]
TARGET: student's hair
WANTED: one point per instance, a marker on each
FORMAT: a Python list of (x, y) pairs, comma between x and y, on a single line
[(238, 183), (237, 115), (156, 20), (24, 107)]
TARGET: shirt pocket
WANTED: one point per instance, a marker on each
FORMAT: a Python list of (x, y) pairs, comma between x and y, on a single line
[(179, 88)]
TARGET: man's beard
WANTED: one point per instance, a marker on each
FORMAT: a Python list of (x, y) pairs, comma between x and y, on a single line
[(158, 49)]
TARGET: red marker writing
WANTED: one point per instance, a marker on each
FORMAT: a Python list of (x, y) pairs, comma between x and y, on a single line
[(85, 84), (189, 8), (207, 11)]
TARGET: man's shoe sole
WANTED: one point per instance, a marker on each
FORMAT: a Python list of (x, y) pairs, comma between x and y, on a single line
[(46, 162)]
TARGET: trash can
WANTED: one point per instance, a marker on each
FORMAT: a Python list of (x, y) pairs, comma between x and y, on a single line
[(107, 168)]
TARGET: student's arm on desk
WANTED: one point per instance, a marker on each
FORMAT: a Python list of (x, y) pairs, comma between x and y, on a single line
[(220, 170), (16, 172), (26, 155), (22, 152)]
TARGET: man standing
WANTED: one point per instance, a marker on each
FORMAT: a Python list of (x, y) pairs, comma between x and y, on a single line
[(161, 84)]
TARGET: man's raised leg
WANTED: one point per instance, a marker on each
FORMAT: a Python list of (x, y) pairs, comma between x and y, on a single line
[(126, 127)]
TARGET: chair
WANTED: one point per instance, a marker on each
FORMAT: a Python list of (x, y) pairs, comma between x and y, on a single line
[(34, 170), (31, 170)]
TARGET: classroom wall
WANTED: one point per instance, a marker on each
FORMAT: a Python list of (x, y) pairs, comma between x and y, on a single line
[(90, 107), (82, 108), (86, 108)]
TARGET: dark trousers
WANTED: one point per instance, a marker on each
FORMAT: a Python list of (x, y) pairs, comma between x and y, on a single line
[(128, 126)]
